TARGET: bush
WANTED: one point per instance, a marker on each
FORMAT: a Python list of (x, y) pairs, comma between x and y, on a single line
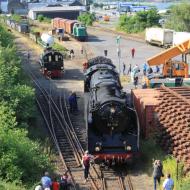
[(138, 22), (169, 163), (16, 17), (40, 18), (6, 38)]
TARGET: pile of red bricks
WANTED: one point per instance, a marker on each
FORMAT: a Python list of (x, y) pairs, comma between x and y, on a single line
[(171, 115)]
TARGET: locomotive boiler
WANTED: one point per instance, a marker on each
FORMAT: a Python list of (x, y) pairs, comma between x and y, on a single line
[(112, 127)]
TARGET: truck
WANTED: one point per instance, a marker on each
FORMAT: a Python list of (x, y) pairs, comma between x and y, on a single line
[(174, 72), (106, 18), (180, 37), (159, 36)]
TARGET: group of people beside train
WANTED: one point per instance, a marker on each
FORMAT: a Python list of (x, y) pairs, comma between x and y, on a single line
[(46, 183), (147, 71), (65, 182)]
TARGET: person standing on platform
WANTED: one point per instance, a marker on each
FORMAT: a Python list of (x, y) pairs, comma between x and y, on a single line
[(105, 52), (55, 184), (157, 172), (86, 159), (129, 70), (124, 67), (144, 69), (168, 183), (133, 52), (72, 53), (46, 181)]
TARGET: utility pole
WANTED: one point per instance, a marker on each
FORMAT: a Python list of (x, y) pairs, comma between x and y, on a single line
[(118, 52)]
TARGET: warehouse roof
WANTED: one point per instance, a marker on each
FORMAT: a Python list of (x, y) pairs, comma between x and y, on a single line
[(60, 8)]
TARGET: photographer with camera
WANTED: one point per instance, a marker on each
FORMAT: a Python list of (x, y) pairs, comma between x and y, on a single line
[(157, 172)]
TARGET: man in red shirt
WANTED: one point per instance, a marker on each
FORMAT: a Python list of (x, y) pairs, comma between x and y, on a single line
[(55, 185)]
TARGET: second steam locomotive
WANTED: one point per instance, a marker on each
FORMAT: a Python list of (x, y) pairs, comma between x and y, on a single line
[(51, 61), (112, 127)]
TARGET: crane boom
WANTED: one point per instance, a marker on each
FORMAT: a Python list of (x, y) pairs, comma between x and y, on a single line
[(170, 53)]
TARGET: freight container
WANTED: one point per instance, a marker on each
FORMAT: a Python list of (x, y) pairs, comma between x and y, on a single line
[(55, 22), (69, 26), (62, 24), (145, 101), (159, 36), (180, 37)]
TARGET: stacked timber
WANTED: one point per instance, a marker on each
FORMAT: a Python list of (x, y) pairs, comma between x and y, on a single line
[(166, 109)]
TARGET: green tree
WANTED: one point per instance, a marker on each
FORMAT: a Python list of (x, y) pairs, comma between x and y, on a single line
[(87, 18), (138, 22), (179, 18), (20, 158)]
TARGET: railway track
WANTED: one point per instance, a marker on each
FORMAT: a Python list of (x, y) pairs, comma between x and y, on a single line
[(113, 179), (69, 146), (64, 134), (67, 141)]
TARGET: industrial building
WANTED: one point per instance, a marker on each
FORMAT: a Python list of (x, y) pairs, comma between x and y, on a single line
[(67, 10)]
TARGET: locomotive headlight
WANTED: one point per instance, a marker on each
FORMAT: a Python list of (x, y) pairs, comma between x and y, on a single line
[(128, 148), (62, 68), (112, 110), (97, 148)]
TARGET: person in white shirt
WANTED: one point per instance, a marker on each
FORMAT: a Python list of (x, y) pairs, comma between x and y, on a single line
[(38, 187), (168, 183)]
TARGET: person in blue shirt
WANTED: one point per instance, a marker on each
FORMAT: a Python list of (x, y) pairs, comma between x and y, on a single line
[(46, 181), (157, 69), (144, 68)]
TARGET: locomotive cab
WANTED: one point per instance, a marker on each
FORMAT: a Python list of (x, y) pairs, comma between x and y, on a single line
[(52, 63)]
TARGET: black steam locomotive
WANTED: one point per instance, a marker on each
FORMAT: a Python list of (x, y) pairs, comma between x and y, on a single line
[(112, 127), (52, 63)]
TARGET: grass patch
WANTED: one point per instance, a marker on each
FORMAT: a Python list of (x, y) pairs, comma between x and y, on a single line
[(10, 186), (152, 151), (60, 48)]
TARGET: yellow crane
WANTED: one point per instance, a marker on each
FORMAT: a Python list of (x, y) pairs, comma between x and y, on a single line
[(174, 72)]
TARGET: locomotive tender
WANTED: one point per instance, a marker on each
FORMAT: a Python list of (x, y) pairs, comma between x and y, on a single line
[(112, 126)]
